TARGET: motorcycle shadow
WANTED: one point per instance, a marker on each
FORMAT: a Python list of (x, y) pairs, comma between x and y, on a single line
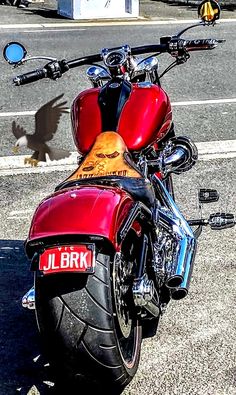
[(24, 370), (19, 340)]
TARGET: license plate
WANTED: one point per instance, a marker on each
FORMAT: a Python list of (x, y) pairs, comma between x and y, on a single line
[(75, 258)]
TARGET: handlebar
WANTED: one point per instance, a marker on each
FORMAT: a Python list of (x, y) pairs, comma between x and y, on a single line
[(55, 69), (30, 77), (172, 45), (202, 44), (134, 51)]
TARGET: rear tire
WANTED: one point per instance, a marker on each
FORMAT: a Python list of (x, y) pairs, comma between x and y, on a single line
[(82, 335)]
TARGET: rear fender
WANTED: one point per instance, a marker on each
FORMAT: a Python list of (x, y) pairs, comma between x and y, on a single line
[(81, 211)]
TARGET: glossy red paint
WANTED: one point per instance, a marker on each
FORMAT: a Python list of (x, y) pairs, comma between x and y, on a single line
[(146, 117), (86, 119), (85, 210)]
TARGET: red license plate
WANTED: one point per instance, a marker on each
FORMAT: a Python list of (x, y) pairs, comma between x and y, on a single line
[(75, 258)]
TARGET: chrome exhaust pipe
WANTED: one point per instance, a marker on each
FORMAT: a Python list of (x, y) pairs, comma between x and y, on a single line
[(183, 155), (180, 273), (179, 293), (175, 277), (182, 291)]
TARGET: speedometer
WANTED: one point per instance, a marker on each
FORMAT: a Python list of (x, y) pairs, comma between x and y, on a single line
[(114, 59)]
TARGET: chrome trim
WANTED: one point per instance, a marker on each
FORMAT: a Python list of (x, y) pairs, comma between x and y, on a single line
[(28, 300), (179, 274), (97, 75), (147, 65), (24, 60), (143, 294), (179, 155), (143, 290), (175, 158)]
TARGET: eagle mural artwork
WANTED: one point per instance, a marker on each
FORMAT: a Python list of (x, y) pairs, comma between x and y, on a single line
[(46, 124)]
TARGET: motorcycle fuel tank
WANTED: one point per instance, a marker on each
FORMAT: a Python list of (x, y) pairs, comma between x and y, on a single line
[(141, 113)]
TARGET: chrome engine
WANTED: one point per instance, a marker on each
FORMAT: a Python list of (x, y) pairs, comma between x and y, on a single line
[(174, 252)]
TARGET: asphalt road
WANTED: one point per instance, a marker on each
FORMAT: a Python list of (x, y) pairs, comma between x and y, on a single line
[(194, 351), (205, 76)]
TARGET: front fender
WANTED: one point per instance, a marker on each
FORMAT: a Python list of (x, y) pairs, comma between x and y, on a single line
[(83, 210)]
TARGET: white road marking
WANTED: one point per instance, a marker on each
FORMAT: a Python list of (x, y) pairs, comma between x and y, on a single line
[(38, 169), (137, 22), (210, 150), (12, 165), (17, 114), (174, 104), (19, 218), (10, 248), (199, 102), (53, 30), (16, 212)]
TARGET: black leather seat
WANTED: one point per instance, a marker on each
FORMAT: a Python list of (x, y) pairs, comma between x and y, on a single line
[(139, 188)]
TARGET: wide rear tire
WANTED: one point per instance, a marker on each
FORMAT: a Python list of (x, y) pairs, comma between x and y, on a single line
[(82, 335)]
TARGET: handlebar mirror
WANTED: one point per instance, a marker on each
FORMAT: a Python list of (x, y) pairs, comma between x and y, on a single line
[(209, 11), (14, 52)]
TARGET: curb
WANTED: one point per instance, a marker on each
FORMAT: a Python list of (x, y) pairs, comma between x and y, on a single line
[(228, 4)]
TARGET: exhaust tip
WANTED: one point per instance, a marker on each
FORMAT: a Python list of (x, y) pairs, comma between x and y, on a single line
[(174, 281), (178, 294)]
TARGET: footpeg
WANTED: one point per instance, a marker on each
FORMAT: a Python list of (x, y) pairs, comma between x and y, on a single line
[(208, 195), (216, 221), (219, 221)]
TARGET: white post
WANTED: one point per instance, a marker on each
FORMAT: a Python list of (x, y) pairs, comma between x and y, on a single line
[(97, 9)]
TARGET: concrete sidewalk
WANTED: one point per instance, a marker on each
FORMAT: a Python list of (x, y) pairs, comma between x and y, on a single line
[(149, 10)]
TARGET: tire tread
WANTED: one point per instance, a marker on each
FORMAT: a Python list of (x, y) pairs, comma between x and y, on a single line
[(84, 336)]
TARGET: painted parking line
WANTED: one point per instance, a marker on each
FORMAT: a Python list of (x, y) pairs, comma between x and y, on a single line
[(53, 30), (221, 149), (17, 114), (174, 104), (139, 22), (12, 165), (203, 102)]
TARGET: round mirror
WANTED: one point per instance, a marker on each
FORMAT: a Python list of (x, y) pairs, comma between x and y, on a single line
[(209, 11), (14, 52)]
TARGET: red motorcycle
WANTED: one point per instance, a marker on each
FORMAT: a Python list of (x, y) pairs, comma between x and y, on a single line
[(110, 248)]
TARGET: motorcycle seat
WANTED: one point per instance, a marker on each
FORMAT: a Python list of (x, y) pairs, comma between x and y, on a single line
[(109, 163), (139, 188)]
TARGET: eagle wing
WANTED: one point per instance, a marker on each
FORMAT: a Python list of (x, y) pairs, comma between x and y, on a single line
[(47, 119), (18, 130)]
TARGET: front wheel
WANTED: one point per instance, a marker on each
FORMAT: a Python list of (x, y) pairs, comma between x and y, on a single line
[(88, 326)]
